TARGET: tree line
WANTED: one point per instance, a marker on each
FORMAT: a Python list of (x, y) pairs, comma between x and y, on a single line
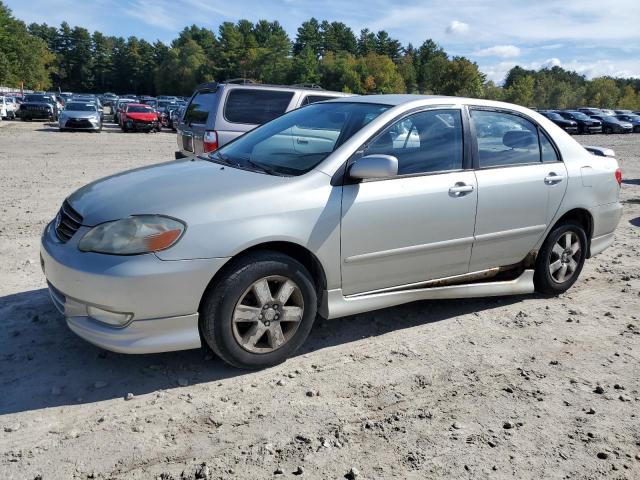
[(325, 53)]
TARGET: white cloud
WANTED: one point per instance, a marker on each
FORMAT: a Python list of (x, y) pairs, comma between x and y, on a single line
[(503, 51), (154, 14), (457, 28)]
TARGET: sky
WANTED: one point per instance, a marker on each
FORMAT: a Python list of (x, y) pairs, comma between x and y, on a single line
[(592, 37)]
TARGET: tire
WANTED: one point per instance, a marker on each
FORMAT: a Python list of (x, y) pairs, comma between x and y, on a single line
[(252, 343), (556, 253)]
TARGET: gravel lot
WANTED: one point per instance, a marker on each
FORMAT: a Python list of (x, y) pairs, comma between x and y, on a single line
[(518, 387)]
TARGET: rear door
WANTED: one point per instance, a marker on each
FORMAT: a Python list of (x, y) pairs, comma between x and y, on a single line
[(521, 182)]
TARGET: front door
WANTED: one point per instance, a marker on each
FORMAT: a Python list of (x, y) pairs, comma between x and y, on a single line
[(419, 225)]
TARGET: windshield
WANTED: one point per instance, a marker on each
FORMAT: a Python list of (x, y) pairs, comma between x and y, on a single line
[(139, 109), (296, 142), (580, 116), (553, 116), (37, 98), (80, 107)]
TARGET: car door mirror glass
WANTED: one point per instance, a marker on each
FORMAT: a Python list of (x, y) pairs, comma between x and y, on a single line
[(374, 166)]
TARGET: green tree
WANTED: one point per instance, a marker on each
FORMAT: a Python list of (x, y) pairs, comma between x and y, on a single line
[(462, 77), (521, 91), (309, 37), (602, 92), (23, 56)]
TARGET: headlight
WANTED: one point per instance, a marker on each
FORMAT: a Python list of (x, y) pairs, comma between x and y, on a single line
[(133, 235)]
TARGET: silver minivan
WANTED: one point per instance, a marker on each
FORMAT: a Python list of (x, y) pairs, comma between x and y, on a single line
[(219, 112)]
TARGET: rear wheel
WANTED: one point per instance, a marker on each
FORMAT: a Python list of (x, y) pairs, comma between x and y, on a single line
[(261, 311), (607, 130), (561, 258)]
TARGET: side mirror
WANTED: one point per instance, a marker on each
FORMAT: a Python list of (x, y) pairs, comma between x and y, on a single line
[(374, 166)]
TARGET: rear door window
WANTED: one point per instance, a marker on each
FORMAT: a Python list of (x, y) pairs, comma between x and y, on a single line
[(198, 110), (255, 107), (505, 139)]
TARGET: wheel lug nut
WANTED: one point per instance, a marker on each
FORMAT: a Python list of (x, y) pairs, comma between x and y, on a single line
[(275, 307)]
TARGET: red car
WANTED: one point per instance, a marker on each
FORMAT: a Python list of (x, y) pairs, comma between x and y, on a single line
[(137, 116)]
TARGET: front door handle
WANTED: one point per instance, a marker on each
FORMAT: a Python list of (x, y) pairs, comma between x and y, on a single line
[(553, 178), (460, 189), (301, 141)]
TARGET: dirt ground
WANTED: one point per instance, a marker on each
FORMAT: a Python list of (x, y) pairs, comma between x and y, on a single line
[(518, 387)]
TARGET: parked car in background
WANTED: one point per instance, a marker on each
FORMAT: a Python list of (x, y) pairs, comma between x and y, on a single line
[(585, 123), (219, 112), (607, 111), (630, 118), (168, 98), (38, 106), (589, 110), (109, 99), (119, 107), (8, 108), (176, 115), (611, 124), (138, 117), (623, 112), (569, 126), (80, 116), (320, 212)]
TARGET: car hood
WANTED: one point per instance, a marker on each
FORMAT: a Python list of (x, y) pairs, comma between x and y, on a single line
[(78, 114), (142, 116), (184, 189)]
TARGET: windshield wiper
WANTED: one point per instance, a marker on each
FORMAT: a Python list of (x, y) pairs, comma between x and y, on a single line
[(263, 168), (221, 159)]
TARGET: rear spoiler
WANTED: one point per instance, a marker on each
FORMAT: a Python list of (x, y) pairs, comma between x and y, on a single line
[(207, 87), (600, 151)]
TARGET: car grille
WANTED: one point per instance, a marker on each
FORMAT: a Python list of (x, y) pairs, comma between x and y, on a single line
[(78, 123), (67, 222)]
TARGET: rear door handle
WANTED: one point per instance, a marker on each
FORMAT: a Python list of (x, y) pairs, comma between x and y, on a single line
[(553, 178), (460, 189), (301, 141)]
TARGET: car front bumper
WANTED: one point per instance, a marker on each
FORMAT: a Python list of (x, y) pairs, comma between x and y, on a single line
[(159, 297), (79, 124)]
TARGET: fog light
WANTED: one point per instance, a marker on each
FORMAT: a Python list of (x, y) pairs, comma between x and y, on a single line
[(114, 319)]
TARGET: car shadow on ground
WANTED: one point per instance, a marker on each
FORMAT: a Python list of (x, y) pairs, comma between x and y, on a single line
[(43, 364), (635, 222)]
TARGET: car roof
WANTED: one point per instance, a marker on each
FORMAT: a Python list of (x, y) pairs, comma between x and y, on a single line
[(425, 100)]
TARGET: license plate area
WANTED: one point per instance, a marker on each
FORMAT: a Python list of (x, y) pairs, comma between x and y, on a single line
[(187, 143)]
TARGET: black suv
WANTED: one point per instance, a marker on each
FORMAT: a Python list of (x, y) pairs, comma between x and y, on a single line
[(40, 106), (585, 123)]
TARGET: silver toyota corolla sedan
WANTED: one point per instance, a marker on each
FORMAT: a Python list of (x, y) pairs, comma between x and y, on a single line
[(333, 209)]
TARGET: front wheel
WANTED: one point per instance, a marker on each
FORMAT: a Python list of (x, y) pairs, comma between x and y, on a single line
[(260, 312), (561, 258)]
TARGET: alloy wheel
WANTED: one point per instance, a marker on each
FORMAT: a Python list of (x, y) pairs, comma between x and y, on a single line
[(565, 257), (264, 321)]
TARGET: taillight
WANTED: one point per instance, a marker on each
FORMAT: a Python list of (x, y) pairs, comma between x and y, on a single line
[(210, 141), (619, 176)]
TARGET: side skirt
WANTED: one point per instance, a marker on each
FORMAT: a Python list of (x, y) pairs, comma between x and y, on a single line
[(336, 305)]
